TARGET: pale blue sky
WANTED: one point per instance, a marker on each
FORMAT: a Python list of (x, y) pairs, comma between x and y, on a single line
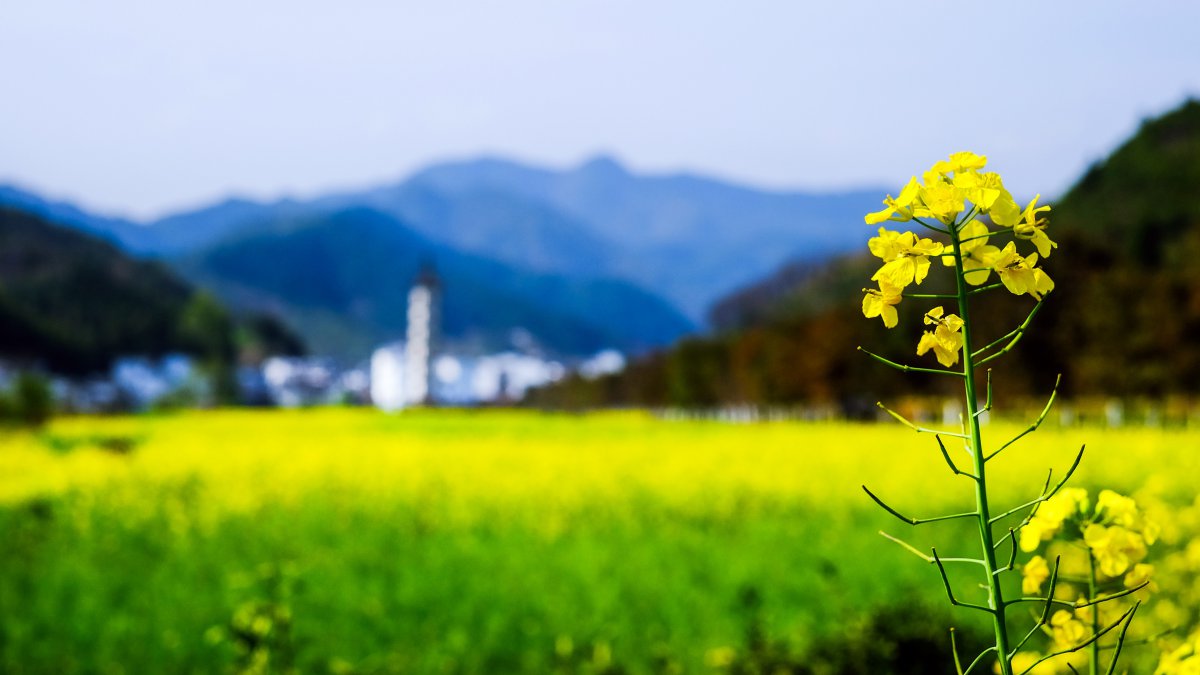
[(138, 107)]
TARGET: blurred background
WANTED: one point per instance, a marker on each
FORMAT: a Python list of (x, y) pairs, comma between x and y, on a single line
[(551, 206), (618, 204)]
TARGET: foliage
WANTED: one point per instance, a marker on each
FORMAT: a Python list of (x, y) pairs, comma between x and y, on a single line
[(71, 304), (28, 401), (260, 630)]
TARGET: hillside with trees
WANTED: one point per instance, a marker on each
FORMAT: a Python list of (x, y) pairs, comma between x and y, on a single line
[(71, 303), (1124, 319)]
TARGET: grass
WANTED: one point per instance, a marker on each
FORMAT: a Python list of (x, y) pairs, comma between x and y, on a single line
[(482, 541)]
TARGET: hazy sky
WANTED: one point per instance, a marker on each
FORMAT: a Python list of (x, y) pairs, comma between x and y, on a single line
[(140, 107)]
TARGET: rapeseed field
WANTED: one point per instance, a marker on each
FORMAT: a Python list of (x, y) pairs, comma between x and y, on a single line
[(349, 541)]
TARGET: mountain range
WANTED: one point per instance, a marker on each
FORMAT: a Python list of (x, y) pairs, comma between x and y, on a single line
[(578, 259)]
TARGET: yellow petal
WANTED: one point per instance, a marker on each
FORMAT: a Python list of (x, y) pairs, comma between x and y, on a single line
[(890, 317), (1042, 284), (871, 306), (1004, 211), (1043, 243), (973, 235), (946, 357), (879, 216), (920, 268), (909, 194), (898, 272), (927, 342), (885, 246), (967, 161)]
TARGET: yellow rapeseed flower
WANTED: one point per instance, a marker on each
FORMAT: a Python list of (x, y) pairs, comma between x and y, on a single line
[(944, 190), (900, 208), (1034, 574), (1140, 574), (890, 243), (910, 259), (882, 303), (967, 161), (1033, 228), (977, 254), (981, 189), (1115, 548), (959, 162), (1104, 613), (1020, 274), (1184, 660), (1116, 508), (940, 199), (1047, 521), (1034, 533), (1068, 631), (946, 339)]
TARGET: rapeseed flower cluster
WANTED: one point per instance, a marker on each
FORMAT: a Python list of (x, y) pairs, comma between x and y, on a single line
[(1118, 541), (955, 193), (1100, 547), (1184, 660), (1115, 532), (1176, 610)]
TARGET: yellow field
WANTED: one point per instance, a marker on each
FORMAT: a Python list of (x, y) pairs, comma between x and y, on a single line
[(246, 459), (460, 541)]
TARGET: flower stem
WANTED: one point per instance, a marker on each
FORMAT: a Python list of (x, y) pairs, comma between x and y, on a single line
[(1094, 662), (995, 592)]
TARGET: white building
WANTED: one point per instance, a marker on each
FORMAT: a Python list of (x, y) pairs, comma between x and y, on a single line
[(459, 380), (388, 390), (508, 375), (418, 372), (607, 362), (144, 382), (301, 381)]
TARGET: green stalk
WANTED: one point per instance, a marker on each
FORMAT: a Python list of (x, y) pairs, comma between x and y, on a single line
[(995, 593), (1094, 665)]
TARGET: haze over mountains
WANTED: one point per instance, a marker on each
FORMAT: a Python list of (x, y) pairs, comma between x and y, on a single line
[(581, 259)]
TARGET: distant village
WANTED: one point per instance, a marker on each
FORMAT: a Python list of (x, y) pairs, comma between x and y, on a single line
[(415, 371)]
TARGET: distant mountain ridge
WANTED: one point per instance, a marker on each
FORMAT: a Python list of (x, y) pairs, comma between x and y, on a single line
[(589, 257), (688, 238), (132, 236), (343, 279), (691, 238)]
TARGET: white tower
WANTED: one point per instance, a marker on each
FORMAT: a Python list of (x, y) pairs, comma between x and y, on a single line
[(422, 336)]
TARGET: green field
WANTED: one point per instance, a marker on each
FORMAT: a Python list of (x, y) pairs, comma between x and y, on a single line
[(492, 542)]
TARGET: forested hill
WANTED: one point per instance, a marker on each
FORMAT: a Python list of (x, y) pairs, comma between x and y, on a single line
[(71, 303), (1128, 320), (1123, 320)]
